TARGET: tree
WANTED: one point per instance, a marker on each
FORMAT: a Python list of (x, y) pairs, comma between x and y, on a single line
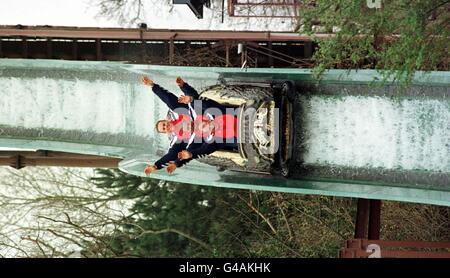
[(53, 212), (56, 212), (127, 12), (185, 220), (398, 39)]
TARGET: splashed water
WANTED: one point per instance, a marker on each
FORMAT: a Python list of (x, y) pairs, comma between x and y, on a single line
[(100, 106), (372, 132)]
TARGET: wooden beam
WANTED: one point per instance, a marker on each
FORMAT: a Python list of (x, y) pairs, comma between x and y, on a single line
[(150, 34), (20, 159), (71, 162), (45, 153)]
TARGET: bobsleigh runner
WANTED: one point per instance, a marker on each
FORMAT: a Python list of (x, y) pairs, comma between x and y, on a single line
[(265, 126)]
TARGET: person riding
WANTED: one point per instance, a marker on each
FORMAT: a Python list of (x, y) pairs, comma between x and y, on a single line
[(195, 126)]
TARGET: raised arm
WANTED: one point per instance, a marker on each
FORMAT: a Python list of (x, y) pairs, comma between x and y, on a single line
[(187, 89), (167, 97)]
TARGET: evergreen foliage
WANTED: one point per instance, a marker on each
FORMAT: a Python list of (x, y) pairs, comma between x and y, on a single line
[(399, 38), (185, 220)]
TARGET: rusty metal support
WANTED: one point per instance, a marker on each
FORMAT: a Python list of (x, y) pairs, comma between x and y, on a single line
[(374, 219), (362, 217)]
